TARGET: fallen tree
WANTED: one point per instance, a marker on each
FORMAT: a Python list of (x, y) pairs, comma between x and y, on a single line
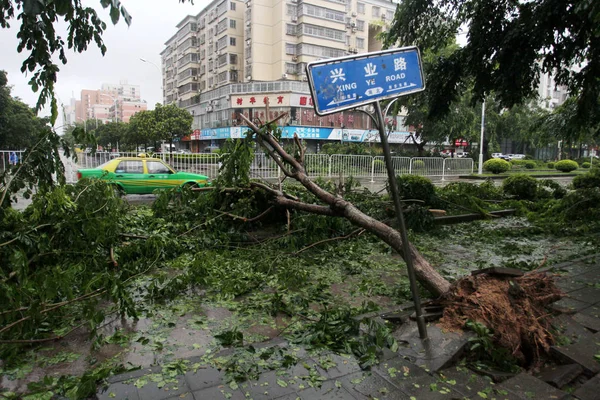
[(335, 206)]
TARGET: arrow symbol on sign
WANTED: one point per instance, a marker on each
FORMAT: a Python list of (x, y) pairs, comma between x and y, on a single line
[(339, 101), (374, 91)]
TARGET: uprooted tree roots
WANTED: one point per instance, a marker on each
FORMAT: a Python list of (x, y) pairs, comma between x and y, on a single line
[(513, 308)]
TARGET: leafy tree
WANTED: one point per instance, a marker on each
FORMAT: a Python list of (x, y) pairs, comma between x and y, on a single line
[(509, 45), (18, 123), (111, 133), (143, 128), (172, 122)]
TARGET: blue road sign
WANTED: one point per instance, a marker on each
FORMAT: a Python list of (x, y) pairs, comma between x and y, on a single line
[(348, 82)]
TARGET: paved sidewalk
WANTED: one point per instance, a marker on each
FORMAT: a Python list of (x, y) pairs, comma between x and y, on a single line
[(417, 371)]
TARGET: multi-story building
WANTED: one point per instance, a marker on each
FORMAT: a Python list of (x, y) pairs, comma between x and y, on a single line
[(237, 56), (550, 94), (114, 102)]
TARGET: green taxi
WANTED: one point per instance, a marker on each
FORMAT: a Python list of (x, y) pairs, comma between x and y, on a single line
[(142, 175)]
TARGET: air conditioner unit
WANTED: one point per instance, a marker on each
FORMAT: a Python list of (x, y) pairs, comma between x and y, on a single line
[(353, 30), (209, 109), (304, 79), (295, 58), (194, 78), (294, 19), (354, 14), (284, 76), (248, 23), (249, 78), (209, 41), (383, 17)]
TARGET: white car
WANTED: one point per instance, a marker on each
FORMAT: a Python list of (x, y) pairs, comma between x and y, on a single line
[(517, 156), (464, 154), (501, 156)]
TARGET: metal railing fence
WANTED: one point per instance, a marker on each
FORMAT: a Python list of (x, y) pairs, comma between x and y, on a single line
[(316, 165)]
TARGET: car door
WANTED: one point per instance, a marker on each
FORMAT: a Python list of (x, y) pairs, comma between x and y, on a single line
[(159, 176), (130, 175)]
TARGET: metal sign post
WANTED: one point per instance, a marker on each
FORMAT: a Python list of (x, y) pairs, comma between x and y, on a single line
[(348, 82)]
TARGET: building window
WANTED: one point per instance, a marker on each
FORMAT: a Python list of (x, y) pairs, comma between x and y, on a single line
[(360, 43), (233, 59), (290, 48), (360, 7), (232, 41), (375, 12), (232, 23), (232, 6), (360, 25), (320, 31), (290, 68), (290, 29), (389, 15)]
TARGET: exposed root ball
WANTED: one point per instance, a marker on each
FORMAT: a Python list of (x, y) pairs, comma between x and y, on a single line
[(514, 308)]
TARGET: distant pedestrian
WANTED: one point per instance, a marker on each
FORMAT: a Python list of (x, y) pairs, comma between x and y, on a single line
[(13, 158)]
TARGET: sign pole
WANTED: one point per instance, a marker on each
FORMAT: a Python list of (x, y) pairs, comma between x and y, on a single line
[(402, 226)]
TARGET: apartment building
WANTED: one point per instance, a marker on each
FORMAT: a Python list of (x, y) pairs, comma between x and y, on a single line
[(550, 94), (237, 56), (113, 102)]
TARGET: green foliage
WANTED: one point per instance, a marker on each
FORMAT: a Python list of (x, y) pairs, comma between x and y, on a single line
[(550, 188), (566, 165), (36, 169), (468, 197), (172, 122), (575, 213), (484, 350), (238, 157), (588, 180), (350, 148), (19, 127), (418, 164), (416, 187), (496, 165), (58, 250), (111, 133), (521, 186), (550, 165), (586, 165), (530, 164), (542, 29)]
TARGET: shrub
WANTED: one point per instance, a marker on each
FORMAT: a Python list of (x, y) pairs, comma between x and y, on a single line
[(496, 165), (566, 165), (530, 164), (416, 187), (588, 180), (418, 164), (521, 186), (586, 165), (550, 165)]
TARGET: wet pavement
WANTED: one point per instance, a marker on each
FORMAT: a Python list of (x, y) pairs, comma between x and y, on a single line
[(418, 370)]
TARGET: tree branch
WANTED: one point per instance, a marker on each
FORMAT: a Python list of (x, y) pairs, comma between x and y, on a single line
[(268, 210), (357, 231)]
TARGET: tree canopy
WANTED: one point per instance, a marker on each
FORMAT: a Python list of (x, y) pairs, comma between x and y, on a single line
[(509, 44), (18, 123)]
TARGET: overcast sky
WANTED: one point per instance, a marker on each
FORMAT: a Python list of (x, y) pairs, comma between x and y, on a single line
[(153, 24)]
